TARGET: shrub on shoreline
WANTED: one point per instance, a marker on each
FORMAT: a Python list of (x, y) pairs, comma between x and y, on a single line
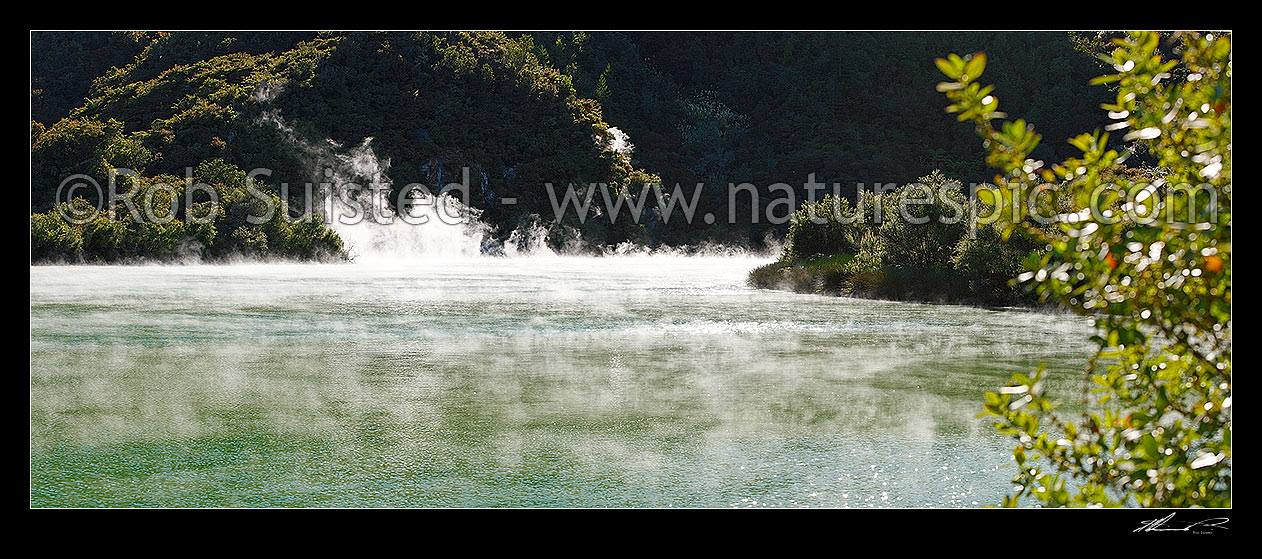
[(916, 242)]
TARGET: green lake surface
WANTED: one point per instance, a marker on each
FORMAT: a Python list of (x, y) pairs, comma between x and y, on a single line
[(631, 381)]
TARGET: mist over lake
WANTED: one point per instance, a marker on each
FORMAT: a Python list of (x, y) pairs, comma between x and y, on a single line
[(514, 382)]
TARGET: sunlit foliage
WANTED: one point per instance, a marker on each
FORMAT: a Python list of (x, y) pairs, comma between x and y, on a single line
[(225, 229), (1148, 261), (914, 242)]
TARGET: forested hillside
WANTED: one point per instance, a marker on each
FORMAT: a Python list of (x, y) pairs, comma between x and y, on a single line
[(518, 110)]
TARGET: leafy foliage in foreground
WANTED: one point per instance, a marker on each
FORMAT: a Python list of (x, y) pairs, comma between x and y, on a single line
[(1149, 262)]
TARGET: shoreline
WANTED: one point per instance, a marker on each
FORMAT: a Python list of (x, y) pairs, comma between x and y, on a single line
[(821, 277)]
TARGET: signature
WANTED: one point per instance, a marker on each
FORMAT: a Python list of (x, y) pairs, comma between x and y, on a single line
[(1198, 527)]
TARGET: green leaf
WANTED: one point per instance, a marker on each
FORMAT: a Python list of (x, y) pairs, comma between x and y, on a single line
[(975, 66), (949, 68)]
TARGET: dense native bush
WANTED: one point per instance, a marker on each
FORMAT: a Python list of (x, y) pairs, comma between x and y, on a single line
[(161, 228), (865, 273), (1152, 272), (523, 109), (913, 242), (65, 64), (53, 239), (435, 104), (922, 223), (823, 228), (88, 147), (768, 107), (989, 264)]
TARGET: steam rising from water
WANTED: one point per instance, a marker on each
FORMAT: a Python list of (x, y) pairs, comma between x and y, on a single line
[(353, 197), (433, 226), (650, 379), (436, 226), (568, 381)]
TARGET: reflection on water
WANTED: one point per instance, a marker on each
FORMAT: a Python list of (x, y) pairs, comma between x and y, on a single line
[(629, 381)]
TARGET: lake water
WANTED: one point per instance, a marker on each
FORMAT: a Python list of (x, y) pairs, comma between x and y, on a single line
[(645, 381)]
